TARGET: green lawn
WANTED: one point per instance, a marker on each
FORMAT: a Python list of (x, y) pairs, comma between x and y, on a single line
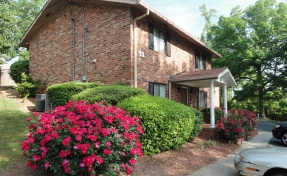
[(13, 129)]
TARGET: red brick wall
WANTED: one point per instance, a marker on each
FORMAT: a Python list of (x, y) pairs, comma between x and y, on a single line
[(157, 67), (108, 41)]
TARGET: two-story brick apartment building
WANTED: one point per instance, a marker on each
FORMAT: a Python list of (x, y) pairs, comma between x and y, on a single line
[(123, 40)]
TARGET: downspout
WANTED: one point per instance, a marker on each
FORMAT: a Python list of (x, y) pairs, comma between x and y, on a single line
[(135, 47)]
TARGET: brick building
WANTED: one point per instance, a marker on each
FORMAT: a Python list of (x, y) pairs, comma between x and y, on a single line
[(123, 40)]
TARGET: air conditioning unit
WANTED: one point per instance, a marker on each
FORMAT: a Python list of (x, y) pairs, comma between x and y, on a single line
[(48, 103), (40, 102)]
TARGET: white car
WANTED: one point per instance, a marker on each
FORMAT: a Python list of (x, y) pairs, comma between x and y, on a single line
[(263, 161)]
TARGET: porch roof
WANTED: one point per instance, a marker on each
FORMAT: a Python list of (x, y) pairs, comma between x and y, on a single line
[(202, 78)]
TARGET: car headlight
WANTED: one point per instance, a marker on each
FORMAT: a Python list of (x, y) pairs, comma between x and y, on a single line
[(277, 126)]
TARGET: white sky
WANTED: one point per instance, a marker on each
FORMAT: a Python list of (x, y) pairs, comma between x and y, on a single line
[(186, 13)]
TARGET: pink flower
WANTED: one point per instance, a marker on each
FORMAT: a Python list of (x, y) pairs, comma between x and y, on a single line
[(82, 164), (34, 166), (28, 119), (97, 145), (47, 165), (129, 170), (99, 160), (108, 144), (107, 152), (66, 141), (124, 166), (132, 161), (29, 164), (79, 138)]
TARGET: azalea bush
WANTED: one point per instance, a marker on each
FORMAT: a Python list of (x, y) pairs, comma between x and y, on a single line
[(83, 139), (231, 128), (249, 119)]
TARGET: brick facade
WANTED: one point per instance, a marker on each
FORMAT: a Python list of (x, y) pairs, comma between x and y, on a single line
[(109, 42)]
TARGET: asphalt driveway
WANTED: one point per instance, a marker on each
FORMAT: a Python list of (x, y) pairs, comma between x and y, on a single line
[(225, 167)]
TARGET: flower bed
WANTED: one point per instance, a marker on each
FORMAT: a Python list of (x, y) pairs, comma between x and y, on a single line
[(83, 139)]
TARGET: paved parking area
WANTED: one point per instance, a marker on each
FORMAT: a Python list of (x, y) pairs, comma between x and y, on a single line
[(225, 167)]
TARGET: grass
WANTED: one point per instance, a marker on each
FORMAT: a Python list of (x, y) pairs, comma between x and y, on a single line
[(13, 129)]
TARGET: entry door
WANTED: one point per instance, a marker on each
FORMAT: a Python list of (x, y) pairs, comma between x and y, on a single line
[(184, 96)]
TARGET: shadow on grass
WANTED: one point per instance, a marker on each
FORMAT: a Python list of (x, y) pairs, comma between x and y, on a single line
[(13, 129)]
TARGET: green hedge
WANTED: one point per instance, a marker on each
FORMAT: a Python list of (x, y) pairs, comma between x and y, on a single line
[(218, 113), (197, 124), (167, 124), (111, 94), (60, 94)]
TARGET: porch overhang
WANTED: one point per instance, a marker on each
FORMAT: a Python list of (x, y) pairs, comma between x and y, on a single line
[(220, 76)]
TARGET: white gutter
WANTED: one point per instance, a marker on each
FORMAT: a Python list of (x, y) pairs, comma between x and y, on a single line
[(135, 47)]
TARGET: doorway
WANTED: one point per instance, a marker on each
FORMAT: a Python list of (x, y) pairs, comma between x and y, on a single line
[(184, 96)]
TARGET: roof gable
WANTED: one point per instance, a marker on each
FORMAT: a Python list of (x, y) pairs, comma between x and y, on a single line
[(53, 7)]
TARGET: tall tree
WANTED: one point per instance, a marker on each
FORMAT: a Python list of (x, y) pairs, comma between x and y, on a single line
[(15, 18), (207, 14), (254, 47)]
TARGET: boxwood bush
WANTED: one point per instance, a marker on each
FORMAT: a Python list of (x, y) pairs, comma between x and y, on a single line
[(167, 124), (197, 124), (60, 94), (111, 94)]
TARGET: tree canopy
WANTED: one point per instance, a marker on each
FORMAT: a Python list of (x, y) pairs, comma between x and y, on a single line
[(15, 18), (253, 43)]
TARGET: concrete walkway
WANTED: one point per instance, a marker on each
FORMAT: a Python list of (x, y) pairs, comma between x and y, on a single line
[(225, 167)]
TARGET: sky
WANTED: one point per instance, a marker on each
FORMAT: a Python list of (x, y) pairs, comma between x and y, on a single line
[(186, 13)]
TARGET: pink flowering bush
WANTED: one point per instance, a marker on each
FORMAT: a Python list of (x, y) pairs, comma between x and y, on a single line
[(249, 119), (231, 128), (237, 124), (83, 139)]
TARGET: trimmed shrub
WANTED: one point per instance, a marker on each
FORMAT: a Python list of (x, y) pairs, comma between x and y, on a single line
[(17, 68), (198, 121), (28, 86), (218, 113), (111, 94), (167, 124), (83, 139), (60, 94)]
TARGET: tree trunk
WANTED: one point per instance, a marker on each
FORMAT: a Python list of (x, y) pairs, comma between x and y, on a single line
[(261, 104)]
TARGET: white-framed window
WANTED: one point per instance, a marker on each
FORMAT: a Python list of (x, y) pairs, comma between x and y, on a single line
[(202, 99), (159, 44), (157, 89), (159, 40), (200, 61)]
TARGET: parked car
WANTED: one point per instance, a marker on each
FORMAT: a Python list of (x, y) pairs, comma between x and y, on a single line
[(279, 131), (262, 161)]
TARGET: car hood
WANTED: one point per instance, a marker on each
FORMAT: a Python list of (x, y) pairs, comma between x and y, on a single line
[(266, 156)]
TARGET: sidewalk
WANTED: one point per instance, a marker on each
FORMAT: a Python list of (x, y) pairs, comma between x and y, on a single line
[(225, 167)]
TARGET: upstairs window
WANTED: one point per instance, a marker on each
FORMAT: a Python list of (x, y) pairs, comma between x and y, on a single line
[(156, 89), (202, 99), (200, 61), (159, 41)]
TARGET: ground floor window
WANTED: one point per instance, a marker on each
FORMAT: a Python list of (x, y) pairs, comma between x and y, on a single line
[(157, 89), (202, 99)]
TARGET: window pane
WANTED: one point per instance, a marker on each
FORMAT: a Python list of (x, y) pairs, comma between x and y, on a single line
[(156, 90), (156, 39), (161, 42), (201, 99), (200, 62), (162, 90)]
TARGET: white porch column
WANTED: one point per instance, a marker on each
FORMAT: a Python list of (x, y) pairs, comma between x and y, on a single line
[(225, 100), (212, 117), (169, 90)]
